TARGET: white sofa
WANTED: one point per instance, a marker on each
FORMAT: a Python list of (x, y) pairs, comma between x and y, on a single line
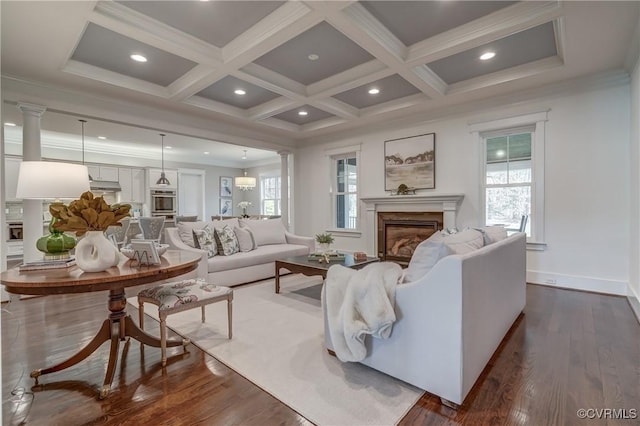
[(242, 267), (450, 321)]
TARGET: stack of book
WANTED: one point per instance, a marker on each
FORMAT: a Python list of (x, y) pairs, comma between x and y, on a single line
[(47, 264)]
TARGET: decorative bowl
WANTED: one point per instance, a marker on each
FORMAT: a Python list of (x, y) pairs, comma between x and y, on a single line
[(128, 251)]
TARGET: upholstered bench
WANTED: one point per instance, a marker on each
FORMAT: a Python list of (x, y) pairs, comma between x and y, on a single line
[(180, 296)]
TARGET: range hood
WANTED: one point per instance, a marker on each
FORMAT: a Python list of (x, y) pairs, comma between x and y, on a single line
[(105, 186)]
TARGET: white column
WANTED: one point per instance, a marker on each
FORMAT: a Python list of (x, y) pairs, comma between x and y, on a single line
[(31, 151), (284, 187)]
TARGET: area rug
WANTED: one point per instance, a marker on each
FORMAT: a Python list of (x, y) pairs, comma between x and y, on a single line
[(278, 344)]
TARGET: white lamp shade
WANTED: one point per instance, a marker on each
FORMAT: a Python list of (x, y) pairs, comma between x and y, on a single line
[(42, 180), (245, 182)]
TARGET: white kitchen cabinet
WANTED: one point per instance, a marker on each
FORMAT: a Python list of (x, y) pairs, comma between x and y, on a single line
[(132, 184), (108, 173), (154, 175), (14, 248)]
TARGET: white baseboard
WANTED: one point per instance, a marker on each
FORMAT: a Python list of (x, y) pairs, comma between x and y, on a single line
[(575, 282), (634, 301)]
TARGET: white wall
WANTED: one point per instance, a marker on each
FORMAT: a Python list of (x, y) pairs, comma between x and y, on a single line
[(586, 178)]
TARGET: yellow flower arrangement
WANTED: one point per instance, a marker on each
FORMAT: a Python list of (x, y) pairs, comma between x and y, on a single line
[(89, 213)]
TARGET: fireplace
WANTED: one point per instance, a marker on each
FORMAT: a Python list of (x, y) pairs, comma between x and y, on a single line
[(445, 206), (399, 233)]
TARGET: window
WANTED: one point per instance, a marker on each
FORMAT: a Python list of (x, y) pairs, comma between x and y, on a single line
[(270, 195), (345, 186), (508, 179), (512, 174)]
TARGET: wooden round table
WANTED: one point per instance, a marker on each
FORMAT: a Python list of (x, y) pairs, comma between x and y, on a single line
[(118, 325)]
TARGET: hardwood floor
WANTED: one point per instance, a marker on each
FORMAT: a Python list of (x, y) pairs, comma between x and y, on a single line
[(570, 350)]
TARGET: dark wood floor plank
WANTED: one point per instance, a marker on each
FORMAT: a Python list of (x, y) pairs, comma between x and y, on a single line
[(570, 350)]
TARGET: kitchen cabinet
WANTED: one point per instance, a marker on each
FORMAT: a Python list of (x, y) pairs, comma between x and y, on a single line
[(12, 168), (108, 173), (132, 182), (154, 175)]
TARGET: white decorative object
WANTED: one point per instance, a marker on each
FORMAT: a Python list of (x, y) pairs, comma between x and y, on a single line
[(95, 253)]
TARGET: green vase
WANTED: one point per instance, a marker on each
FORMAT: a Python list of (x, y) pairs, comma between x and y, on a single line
[(55, 243)]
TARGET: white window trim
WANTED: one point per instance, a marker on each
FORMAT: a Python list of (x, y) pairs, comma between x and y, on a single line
[(330, 155), (264, 175), (537, 120)]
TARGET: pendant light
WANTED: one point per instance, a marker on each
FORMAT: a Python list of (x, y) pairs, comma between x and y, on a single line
[(84, 121), (163, 181)]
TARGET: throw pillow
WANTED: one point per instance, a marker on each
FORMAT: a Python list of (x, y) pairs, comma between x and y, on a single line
[(226, 241), (231, 222), (425, 256), (464, 241), (205, 240), (245, 239), (185, 230), (492, 234), (270, 231)]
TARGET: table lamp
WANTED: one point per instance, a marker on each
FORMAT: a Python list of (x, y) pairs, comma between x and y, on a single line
[(44, 180)]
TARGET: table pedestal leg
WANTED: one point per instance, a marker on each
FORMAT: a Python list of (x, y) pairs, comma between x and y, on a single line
[(117, 327)]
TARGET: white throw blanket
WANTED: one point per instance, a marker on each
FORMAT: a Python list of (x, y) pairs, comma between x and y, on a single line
[(360, 302)]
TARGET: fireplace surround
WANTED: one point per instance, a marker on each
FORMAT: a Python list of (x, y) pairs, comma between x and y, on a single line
[(446, 205)]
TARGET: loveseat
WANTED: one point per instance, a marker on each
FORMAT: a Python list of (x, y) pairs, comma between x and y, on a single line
[(450, 320), (263, 241)]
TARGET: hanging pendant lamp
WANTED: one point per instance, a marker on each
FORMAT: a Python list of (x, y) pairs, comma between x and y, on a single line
[(163, 181), (84, 121)]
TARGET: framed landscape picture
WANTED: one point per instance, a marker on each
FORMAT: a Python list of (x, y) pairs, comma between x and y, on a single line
[(226, 186), (226, 206), (410, 161)]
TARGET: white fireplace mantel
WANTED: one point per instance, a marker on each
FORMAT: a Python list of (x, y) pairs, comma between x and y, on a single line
[(448, 204)]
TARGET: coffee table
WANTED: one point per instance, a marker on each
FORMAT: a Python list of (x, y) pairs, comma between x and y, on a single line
[(303, 265)]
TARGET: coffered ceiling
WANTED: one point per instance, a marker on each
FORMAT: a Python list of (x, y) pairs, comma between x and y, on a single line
[(317, 57)]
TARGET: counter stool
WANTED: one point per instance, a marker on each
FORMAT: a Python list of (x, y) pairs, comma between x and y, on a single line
[(179, 296)]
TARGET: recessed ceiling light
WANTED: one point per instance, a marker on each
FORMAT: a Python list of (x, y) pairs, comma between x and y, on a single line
[(10, 124), (374, 91), (487, 55), (102, 137), (206, 153), (313, 57), (303, 113), (138, 58), (168, 147), (239, 92)]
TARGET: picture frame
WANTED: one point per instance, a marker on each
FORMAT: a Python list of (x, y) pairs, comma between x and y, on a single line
[(226, 206), (145, 252), (410, 161), (226, 186)]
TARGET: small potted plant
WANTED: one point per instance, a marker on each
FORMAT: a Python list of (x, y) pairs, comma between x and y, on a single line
[(325, 240)]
